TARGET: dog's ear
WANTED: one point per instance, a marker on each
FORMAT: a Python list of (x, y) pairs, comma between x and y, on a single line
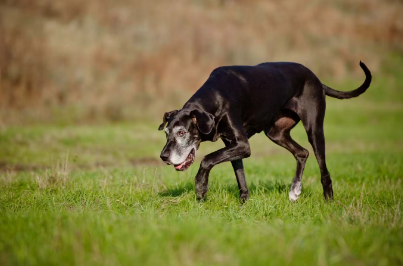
[(203, 120), (166, 118)]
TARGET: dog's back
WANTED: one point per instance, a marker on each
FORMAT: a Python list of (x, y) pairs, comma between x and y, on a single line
[(258, 92)]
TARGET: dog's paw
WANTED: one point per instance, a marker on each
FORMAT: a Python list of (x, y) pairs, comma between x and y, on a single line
[(328, 193), (295, 191), (201, 196), (201, 199), (201, 191), (244, 197)]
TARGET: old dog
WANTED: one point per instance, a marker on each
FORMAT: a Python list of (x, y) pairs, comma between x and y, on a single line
[(237, 102)]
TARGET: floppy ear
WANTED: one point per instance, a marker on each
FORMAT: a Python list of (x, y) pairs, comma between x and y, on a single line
[(203, 120), (166, 117)]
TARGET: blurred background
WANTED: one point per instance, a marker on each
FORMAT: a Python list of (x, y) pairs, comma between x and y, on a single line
[(119, 60), (83, 88)]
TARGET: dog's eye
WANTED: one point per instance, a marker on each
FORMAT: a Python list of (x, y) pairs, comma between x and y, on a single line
[(181, 133)]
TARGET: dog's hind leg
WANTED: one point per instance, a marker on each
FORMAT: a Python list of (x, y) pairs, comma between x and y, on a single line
[(317, 139), (312, 114), (279, 133)]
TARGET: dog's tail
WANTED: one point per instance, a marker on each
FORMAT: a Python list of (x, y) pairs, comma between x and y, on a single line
[(350, 94)]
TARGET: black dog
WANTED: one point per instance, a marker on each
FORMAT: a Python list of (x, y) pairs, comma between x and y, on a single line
[(238, 101)]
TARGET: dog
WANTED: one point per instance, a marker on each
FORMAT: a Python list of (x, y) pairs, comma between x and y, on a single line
[(237, 102)]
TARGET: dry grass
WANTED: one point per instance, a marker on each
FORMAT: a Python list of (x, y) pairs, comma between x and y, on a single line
[(99, 57), (56, 176)]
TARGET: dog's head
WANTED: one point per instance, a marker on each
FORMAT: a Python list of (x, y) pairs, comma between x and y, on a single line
[(183, 136)]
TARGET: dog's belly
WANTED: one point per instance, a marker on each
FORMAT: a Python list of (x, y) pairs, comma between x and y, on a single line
[(263, 119), (253, 128), (250, 131), (259, 117)]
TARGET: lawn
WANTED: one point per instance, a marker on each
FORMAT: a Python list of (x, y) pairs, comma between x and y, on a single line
[(99, 195)]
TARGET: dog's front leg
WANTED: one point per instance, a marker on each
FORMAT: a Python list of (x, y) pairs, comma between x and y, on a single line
[(237, 150)]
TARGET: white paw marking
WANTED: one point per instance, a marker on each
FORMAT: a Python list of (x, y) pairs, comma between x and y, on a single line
[(295, 191)]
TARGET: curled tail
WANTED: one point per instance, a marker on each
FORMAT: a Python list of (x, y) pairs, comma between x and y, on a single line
[(354, 93)]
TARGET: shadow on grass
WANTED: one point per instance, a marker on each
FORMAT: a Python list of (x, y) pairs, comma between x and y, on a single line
[(261, 187), (179, 190)]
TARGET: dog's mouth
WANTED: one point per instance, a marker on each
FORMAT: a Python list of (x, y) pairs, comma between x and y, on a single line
[(187, 163)]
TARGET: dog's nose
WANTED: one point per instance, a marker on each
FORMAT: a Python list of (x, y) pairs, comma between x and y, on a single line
[(164, 156)]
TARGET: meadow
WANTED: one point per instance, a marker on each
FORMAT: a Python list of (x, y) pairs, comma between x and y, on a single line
[(97, 194), (83, 87)]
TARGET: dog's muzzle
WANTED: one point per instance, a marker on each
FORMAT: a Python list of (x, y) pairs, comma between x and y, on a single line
[(187, 163)]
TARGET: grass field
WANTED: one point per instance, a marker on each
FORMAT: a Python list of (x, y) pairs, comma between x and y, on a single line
[(83, 86), (99, 195)]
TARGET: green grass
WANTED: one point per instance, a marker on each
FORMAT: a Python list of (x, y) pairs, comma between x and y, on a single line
[(98, 195)]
